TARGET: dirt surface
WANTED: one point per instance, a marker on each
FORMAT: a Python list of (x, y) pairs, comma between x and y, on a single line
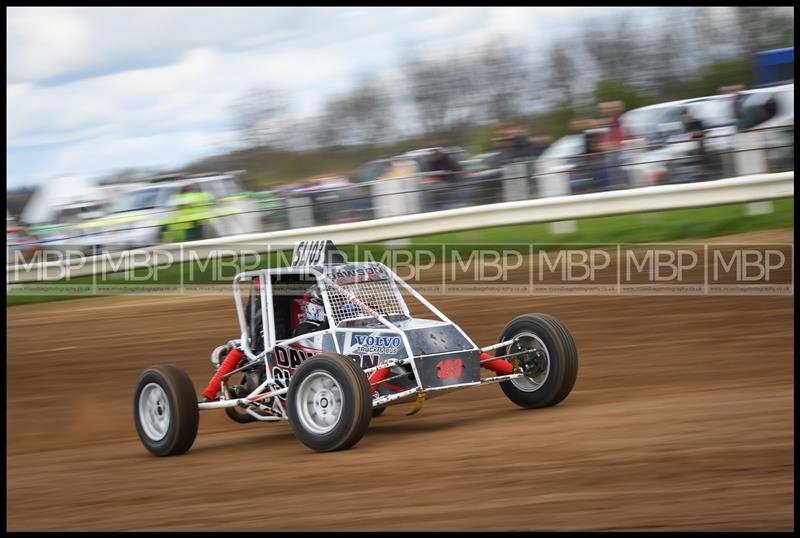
[(681, 418)]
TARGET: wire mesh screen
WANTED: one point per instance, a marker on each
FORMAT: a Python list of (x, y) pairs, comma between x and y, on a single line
[(364, 299)]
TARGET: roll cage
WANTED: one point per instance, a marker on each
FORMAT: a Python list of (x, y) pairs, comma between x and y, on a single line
[(348, 306)]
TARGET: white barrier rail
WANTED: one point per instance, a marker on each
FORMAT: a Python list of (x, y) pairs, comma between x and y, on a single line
[(657, 198)]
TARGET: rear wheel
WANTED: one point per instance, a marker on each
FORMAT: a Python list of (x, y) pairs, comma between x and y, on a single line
[(329, 403), (165, 410), (239, 389), (237, 386), (548, 354)]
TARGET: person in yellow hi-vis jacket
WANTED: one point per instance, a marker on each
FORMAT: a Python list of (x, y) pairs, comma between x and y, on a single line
[(192, 208)]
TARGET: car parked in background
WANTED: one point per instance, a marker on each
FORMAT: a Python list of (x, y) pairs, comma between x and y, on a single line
[(572, 164), (144, 216), (661, 151), (370, 171), (21, 245), (483, 161), (333, 199), (439, 172)]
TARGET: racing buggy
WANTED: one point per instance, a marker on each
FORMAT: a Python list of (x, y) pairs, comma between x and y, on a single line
[(369, 342)]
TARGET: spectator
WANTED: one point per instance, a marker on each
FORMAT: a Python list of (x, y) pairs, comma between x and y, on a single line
[(696, 131), (691, 125), (737, 91), (448, 170), (613, 142), (539, 144), (442, 162)]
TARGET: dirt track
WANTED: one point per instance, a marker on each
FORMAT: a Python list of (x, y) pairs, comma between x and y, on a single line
[(681, 418)]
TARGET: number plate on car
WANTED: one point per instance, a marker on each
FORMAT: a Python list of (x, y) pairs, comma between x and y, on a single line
[(447, 369)]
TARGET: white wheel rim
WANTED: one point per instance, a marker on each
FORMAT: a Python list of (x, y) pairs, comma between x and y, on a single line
[(154, 414), (528, 340), (319, 402)]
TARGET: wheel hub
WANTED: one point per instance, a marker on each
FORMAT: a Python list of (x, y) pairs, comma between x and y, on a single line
[(324, 402), (534, 360), (320, 397), (154, 411)]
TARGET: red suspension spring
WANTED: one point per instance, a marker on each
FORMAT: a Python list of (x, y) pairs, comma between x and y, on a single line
[(500, 366), (376, 377), (227, 366)]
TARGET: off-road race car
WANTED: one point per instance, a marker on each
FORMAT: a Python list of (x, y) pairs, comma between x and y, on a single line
[(381, 344)]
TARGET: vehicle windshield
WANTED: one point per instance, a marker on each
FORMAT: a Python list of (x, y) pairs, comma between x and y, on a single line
[(714, 112), (567, 146), (649, 123), (670, 114), (370, 171), (137, 200), (474, 165), (224, 186), (760, 107), (640, 123)]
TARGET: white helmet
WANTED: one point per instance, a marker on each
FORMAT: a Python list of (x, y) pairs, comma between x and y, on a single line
[(313, 307)]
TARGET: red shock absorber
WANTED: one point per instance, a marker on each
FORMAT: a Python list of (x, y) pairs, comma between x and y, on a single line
[(377, 376), (501, 366), (227, 366)]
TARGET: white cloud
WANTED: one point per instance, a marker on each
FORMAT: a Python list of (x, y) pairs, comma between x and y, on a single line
[(112, 152), (92, 89), (43, 43), (197, 90)]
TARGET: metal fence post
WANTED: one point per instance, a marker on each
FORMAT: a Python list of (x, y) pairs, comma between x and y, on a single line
[(300, 213), (515, 182), (750, 155), (394, 197)]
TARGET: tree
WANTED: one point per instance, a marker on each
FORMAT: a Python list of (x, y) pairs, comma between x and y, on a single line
[(614, 90), (614, 48), (256, 114), (501, 82), (562, 69), (762, 28), (369, 110), (441, 90), (666, 56), (363, 116)]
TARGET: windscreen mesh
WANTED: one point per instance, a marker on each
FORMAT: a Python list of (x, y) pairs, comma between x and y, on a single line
[(364, 299)]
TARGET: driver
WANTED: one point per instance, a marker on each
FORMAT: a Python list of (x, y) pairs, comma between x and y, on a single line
[(312, 314), (312, 319)]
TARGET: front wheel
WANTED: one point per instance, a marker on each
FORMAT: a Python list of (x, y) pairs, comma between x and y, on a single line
[(329, 402), (165, 410), (548, 355)]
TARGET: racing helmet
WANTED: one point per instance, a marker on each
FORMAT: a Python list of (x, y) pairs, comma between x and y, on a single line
[(313, 307)]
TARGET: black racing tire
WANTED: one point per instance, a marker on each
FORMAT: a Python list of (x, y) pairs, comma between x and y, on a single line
[(343, 392), (378, 411), (562, 359), (236, 414), (165, 430), (241, 417)]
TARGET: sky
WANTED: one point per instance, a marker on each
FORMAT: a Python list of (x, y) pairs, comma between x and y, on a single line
[(95, 90)]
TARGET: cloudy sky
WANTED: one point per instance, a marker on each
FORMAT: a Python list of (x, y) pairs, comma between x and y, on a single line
[(93, 90)]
